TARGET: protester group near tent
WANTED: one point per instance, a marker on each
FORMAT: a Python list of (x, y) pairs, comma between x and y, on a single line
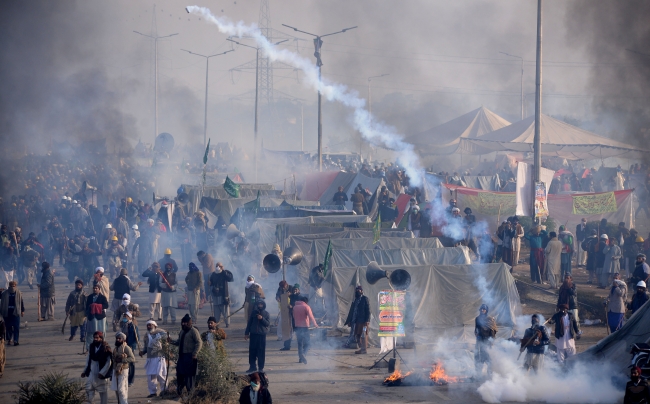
[(458, 236)]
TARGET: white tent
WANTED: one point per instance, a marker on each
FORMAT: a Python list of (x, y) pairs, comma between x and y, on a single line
[(444, 139), (558, 139)]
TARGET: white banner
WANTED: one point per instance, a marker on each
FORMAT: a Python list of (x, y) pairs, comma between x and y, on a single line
[(525, 187)]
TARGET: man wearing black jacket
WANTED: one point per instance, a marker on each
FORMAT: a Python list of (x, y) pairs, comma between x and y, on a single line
[(359, 318), (256, 330), (534, 342), (218, 283), (566, 331)]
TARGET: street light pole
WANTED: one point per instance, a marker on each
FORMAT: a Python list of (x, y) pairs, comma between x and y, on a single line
[(207, 65), (522, 80), (257, 68), (155, 102), (318, 43), (538, 102)]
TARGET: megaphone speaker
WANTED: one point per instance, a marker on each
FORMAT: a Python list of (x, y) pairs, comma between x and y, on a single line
[(272, 263), (292, 256), (374, 273)]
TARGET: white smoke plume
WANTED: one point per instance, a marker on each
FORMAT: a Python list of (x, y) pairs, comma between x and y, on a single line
[(371, 130), (580, 383)]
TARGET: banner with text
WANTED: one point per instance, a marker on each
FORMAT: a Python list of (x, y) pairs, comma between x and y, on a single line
[(391, 313)]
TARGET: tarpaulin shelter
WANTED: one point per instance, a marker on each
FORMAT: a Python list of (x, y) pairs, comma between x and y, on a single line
[(268, 228), (444, 139), (444, 298), (558, 138), (228, 207), (217, 192), (485, 182), (615, 348), (316, 184)]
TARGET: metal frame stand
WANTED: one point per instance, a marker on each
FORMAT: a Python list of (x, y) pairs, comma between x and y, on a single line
[(395, 354)]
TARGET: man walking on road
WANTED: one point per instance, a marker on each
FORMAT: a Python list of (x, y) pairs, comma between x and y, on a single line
[(256, 330), (302, 316)]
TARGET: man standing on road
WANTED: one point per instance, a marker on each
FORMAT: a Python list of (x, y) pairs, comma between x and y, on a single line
[(152, 274), (640, 297), (189, 344), (75, 307), (566, 238), (566, 329), (534, 341), (581, 235), (156, 365), (256, 329), (12, 309), (485, 329), (97, 370), (302, 316), (590, 245), (194, 282), (96, 306), (568, 294), (553, 258), (122, 358), (358, 319), (167, 285), (47, 293), (616, 303), (218, 284)]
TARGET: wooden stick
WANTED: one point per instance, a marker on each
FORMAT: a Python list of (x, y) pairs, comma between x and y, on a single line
[(39, 301)]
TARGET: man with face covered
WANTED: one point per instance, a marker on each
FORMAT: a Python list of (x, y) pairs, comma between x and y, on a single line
[(255, 392), (122, 358), (485, 330), (358, 319), (97, 369), (566, 330), (156, 365), (256, 330), (189, 344), (636, 390), (47, 292), (96, 306), (214, 336), (12, 308), (534, 342), (640, 297)]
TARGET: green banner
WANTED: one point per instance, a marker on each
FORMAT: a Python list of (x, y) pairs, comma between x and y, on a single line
[(231, 187), (594, 204)]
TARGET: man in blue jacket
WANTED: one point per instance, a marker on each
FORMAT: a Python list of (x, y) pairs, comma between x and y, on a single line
[(534, 342)]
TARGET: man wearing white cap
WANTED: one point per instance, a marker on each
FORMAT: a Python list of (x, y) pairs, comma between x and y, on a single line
[(122, 357), (156, 365), (102, 281)]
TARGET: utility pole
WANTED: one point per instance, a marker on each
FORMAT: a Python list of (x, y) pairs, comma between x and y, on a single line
[(257, 66), (318, 43), (538, 103), (207, 65), (522, 81), (155, 38)]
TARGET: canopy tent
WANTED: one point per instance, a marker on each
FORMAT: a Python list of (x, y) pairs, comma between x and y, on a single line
[(615, 348), (558, 139), (444, 139), (434, 293), (316, 184), (226, 208)]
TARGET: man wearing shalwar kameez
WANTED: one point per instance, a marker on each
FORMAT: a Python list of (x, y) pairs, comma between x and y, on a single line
[(156, 365), (97, 369), (96, 306), (75, 307), (122, 357)]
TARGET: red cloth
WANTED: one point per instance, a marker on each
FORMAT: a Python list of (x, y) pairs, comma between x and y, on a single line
[(302, 315)]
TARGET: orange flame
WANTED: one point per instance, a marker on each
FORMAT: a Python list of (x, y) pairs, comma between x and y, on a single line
[(396, 375), (438, 374)]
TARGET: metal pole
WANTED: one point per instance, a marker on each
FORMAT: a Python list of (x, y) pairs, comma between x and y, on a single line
[(155, 91), (320, 126), (522, 89), (538, 100), (257, 75), (205, 115)]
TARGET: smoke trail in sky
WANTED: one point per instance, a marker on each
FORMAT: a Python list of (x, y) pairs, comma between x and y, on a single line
[(371, 130)]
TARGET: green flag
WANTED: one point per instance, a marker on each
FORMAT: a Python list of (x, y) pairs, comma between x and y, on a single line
[(376, 229), (254, 205), (328, 258), (231, 187), (205, 156)]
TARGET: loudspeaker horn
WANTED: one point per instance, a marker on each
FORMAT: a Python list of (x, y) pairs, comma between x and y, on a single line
[(374, 273), (183, 198), (292, 256), (232, 231), (272, 263), (400, 279), (158, 199)]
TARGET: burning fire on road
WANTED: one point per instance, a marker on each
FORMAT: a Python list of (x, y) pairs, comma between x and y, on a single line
[(436, 377)]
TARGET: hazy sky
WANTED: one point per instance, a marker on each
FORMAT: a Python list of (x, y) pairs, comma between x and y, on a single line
[(75, 69)]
